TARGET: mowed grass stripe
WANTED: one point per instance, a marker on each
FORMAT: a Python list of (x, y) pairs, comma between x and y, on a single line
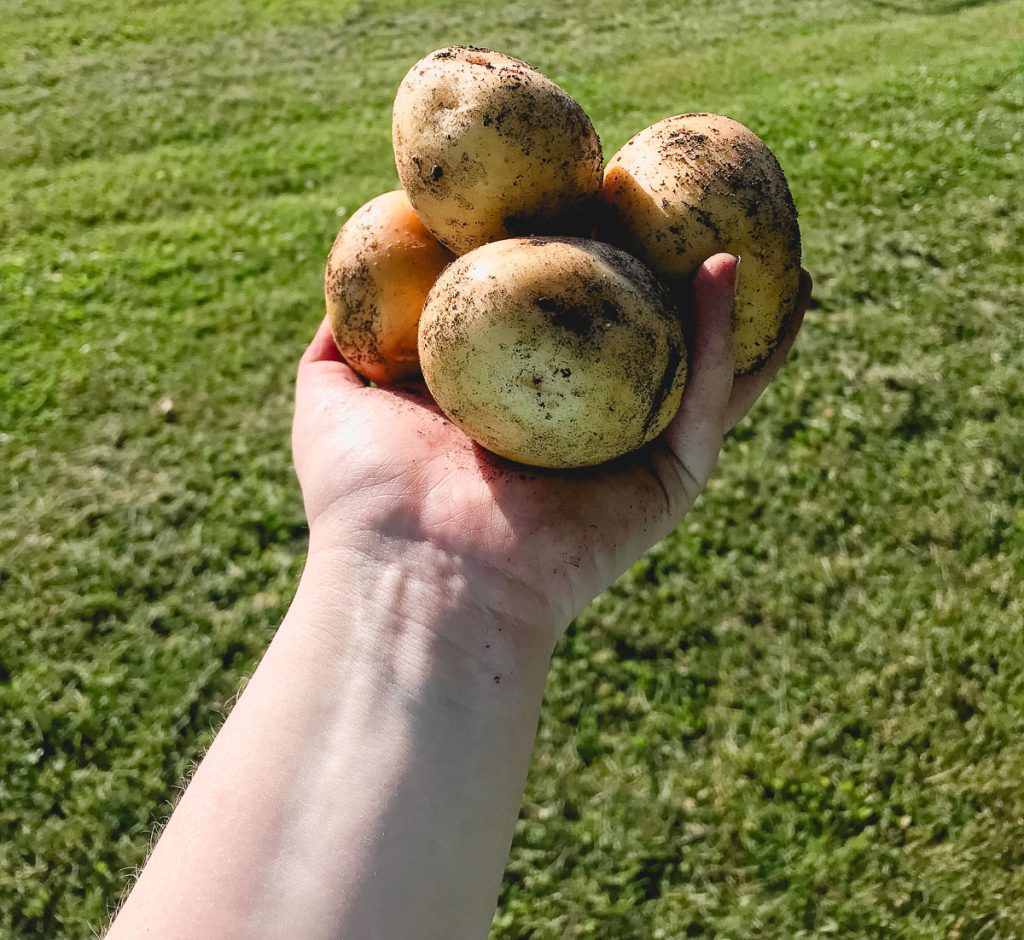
[(324, 147), (171, 180), (203, 90)]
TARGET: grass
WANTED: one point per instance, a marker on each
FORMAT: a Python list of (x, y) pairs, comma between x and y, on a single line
[(800, 716)]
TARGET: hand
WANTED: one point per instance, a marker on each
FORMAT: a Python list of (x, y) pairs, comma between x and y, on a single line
[(383, 764), (383, 470)]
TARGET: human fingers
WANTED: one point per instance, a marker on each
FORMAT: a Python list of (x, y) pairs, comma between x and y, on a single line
[(323, 371), (694, 436), (323, 380), (746, 389)]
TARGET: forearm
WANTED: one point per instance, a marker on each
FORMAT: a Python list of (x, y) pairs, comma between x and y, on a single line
[(367, 782)]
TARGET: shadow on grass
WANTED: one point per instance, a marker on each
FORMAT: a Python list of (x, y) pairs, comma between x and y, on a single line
[(929, 7)]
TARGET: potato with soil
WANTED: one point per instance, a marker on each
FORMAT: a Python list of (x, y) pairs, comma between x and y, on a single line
[(489, 148), (697, 184), (380, 269), (554, 352)]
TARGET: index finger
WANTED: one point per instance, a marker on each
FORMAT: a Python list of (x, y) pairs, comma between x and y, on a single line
[(323, 372), (322, 357)]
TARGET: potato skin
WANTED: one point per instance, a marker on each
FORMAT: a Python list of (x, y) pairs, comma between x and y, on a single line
[(489, 148), (696, 184), (379, 271), (553, 352)]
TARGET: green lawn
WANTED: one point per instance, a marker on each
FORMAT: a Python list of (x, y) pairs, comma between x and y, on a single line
[(801, 716)]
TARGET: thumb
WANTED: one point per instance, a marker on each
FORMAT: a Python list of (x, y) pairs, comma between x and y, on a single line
[(694, 436)]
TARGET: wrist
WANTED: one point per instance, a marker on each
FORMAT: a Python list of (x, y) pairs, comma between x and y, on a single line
[(416, 614)]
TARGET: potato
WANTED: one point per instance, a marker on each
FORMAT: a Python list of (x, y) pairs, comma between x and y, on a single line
[(554, 352), (696, 184), (488, 148), (381, 266)]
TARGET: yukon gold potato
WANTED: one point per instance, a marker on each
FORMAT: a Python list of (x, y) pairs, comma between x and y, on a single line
[(697, 184), (554, 352), (380, 269), (488, 148)]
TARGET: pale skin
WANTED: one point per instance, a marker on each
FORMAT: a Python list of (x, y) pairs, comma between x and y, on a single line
[(367, 782)]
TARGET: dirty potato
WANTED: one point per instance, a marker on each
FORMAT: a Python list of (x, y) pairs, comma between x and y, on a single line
[(554, 352), (489, 148), (380, 269), (696, 184)]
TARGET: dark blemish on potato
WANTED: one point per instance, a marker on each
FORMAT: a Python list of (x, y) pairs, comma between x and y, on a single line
[(663, 389), (567, 316), (505, 113), (436, 172), (611, 312), (707, 220)]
